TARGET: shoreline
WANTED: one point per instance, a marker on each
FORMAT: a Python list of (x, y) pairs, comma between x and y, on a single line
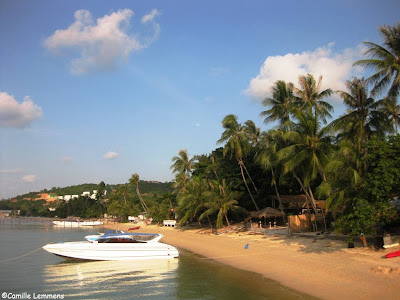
[(322, 268)]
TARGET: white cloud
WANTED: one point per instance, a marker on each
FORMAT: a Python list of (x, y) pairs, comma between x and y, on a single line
[(29, 178), (19, 115), (66, 159), (103, 44), (111, 155), (150, 17), (335, 68), (197, 125)]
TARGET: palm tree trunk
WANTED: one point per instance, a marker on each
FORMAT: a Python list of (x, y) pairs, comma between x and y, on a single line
[(141, 199), (241, 161), (323, 215), (247, 187), (277, 194), (226, 218)]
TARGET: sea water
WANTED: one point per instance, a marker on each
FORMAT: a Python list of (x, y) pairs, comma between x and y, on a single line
[(29, 272)]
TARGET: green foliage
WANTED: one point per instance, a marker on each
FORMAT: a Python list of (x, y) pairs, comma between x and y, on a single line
[(362, 217), (383, 174)]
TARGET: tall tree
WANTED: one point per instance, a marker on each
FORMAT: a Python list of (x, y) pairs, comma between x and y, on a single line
[(281, 104), (310, 96), (134, 181), (271, 142), (306, 153), (362, 118), (182, 163), (385, 60), (237, 144)]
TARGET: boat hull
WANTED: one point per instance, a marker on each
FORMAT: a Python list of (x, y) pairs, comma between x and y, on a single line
[(77, 223), (112, 251)]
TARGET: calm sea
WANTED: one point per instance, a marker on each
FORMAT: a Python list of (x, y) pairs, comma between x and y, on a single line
[(189, 277)]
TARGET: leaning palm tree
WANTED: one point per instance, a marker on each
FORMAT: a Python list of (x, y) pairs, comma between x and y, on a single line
[(134, 181), (281, 104), (311, 98), (385, 60), (237, 144)]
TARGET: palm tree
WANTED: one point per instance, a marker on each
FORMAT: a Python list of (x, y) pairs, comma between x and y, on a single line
[(362, 118), (391, 109), (193, 200), (237, 144), (223, 201), (306, 153), (271, 143), (281, 104), (343, 177), (385, 60), (134, 181), (310, 97), (182, 163)]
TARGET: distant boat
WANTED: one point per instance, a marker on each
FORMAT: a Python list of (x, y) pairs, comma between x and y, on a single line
[(116, 247), (77, 223)]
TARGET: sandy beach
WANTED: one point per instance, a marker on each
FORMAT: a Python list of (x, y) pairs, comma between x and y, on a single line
[(323, 268)]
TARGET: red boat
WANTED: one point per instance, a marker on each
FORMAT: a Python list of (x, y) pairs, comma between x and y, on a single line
[(134, 228), (393, 254)]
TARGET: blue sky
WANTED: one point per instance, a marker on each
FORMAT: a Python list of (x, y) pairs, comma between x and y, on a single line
[(99, 90)]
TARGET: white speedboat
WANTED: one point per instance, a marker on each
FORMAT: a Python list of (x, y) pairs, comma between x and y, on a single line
[(116, 247), (77, 223)]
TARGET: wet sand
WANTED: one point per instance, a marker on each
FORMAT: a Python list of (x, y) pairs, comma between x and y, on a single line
[(323, 268)]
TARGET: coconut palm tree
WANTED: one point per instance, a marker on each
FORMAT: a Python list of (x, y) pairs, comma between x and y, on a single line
[(282, 103), (134, 181), (306, 153), (271, 142), (223, 201), (193, 201), (363, 117), (182, 163), (310, 97), (237, 144), (385, 60), (391, 109), (343, 177)]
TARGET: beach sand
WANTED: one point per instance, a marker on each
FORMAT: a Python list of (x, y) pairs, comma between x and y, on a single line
[(323, 268)]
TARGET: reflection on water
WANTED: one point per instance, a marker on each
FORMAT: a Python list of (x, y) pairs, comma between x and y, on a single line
[(103, 279)]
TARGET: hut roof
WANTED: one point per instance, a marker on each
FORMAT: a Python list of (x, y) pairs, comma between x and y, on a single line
[(266, 213)]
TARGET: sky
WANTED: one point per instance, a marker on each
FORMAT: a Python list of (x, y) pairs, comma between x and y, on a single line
[(95, 91)]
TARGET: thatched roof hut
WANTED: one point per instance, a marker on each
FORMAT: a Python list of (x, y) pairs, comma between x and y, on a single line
[(267, 212)]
